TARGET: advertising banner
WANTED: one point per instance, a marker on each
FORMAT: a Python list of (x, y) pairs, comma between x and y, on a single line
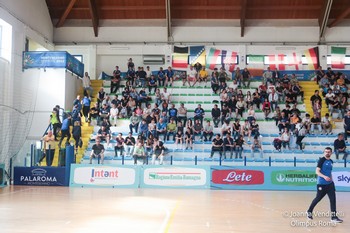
[(175, 177), (109, 176), (2, 175), (274, 178), (41, 176), (53, 59)]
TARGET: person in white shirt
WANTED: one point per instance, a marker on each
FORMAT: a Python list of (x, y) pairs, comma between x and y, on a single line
[(166, 95), (273, 99), (267, 76), (285, 138), (87, 84), (113, 115), (191, 76), (326, 124)]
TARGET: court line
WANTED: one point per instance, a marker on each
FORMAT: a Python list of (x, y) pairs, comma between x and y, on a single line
[(169, 218)]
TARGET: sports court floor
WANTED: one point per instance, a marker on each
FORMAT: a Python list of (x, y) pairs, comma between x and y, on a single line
[(80, 210)]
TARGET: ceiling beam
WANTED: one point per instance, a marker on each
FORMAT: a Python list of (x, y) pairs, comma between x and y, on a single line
[(243, 16), (94, 16), (324, 16), (345, 13), (168, 20), (113, 8), (65, 13)]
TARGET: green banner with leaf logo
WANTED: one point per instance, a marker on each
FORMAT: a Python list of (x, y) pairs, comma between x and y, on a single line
[(294, 178)]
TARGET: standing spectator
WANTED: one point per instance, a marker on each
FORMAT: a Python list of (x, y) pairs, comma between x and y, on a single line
[(316, 123), (130, 64), (87, 85), (76, 132), (319, 74), (86, 107), (275, 76), (316, 108), (49, 147), (139, 152), (158, 153), (55, 122), (300, 132), (119, 145), (340, 146), (208, 131), (199, 113), (256, 145), (129, 144), (217, 145), (229, 145), (130, 77), (246, 77), (97, 151), (65, 130), (238, 77), (315, 97), (134, 122), (115, 81), (215, 114)]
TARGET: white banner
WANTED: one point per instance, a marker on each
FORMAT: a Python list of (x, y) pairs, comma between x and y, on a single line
[(341, 178)]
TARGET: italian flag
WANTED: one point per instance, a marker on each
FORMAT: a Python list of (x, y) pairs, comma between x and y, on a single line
[(338, 57)]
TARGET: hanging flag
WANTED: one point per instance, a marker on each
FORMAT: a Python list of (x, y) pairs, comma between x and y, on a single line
[(256, 59), (312, 59), (180, 60), (277, 61), (228, 60), (294, 59), (212, 58), (180, 49), (338, 57), (197, 54)]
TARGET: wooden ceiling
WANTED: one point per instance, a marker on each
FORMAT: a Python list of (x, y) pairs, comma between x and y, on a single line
[(327, 12)]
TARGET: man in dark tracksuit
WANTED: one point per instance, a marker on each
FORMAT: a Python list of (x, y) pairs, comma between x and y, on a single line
[(325, 185)]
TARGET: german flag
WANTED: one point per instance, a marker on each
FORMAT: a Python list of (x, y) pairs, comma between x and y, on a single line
[(312, 58)]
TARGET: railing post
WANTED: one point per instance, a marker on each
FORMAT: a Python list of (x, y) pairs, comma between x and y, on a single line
[(295, 161), (122, 159), (10, 173), (171, 160), (49, 158), (195, 160), (31, 154), (220, 160), (269, 161), (344, 162), (245, 161)]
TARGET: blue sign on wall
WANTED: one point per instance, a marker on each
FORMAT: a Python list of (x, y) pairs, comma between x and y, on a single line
[(41, 176), (53, 59)]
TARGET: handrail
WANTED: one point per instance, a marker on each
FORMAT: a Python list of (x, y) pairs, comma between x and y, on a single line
[(47, 129)]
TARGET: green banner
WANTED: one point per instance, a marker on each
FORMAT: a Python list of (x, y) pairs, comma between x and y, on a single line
[(294, 178), (338, 50)]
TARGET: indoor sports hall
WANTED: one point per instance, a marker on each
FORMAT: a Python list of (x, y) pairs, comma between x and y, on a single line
[(167, 116)]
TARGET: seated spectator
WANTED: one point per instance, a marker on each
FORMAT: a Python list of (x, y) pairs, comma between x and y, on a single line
[(257, 98), (277, 115), (334, 107), (239, 146), (104, 134), (134, 123), (245, 129), (161, 77), (104, 112), (165, 96), (229, 145), (173, 113), (198, 130), (326, 124), (225, 114), (161, 129), (107, 101), (158, 153), (129, 143), (119, 145), (97, 151), (149, 145), (256, 145), (191, 77), (254, 128), (293, 121), (208, 131), (340, 146), (240, 107), (225, 128), (307, 122), (182, 114), (171, 129), (189, 138), (251, 114), (199, 113), (139, 152), (114, 112), (179, 139), (217, 145), (246, 77), (152, 84), (300, 132), (236, 129), (285, 138), (203, 76), (115, 81), (273, 99), (106, 124), (215, 114), (266, 108), (284, 122), (94, 113), (143, 129), (101, 95), (316, 124), (214, 81)]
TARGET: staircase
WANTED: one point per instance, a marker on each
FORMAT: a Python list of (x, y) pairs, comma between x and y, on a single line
[(309, 88)]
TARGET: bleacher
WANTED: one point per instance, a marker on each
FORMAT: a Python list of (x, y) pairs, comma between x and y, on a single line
[(191, 97)]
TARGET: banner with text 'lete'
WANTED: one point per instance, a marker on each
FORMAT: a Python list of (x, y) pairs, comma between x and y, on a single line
[(53, 59)]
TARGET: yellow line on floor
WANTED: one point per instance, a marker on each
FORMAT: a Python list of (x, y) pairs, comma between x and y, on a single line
[(172, 214)]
